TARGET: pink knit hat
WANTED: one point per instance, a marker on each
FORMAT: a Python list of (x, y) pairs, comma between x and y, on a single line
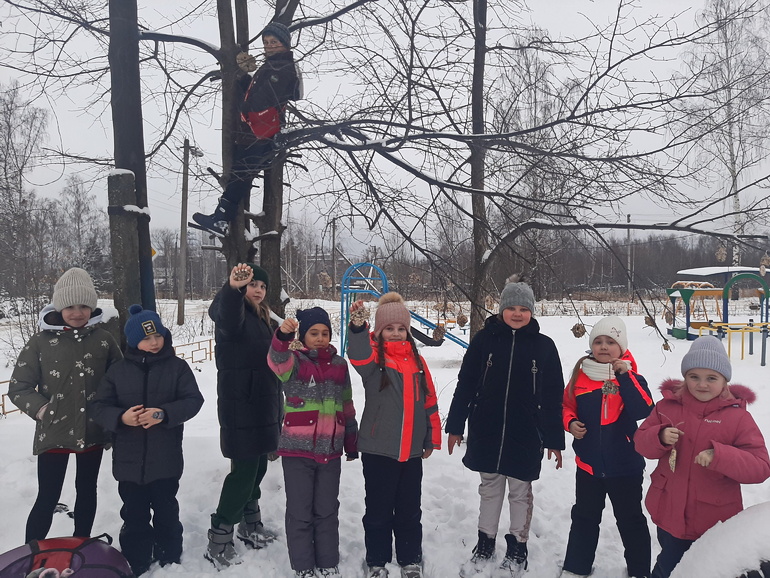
[(391, 309)]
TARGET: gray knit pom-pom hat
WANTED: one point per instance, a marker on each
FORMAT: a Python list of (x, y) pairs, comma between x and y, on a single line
[(517, 293), (75, 287), (707, 352)]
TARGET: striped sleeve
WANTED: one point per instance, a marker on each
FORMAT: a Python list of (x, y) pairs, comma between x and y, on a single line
[(280, 359)]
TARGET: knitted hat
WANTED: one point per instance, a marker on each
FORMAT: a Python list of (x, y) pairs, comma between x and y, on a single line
[(707, 352), (517, 293), (141, 324), (309, 317), (259, 274), (611, 327), (75, 287), (391, 309), (279, 31)]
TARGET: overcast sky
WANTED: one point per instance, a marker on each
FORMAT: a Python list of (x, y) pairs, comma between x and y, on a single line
[(76, 132)]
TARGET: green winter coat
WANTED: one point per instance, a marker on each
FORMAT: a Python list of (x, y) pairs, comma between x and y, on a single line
[(62, 367)]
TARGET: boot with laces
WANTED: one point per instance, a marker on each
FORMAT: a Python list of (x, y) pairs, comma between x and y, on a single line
[(515, 555)]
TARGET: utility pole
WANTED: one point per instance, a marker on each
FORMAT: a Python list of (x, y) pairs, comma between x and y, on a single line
[(629, 273), (181, 284), (334, 258)]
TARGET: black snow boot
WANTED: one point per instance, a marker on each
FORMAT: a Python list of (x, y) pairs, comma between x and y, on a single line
[(218, 221), (515, 555), (484, 550)]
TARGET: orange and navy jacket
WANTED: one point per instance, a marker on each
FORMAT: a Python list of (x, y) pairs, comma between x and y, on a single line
[(401, 420), (610, 414)]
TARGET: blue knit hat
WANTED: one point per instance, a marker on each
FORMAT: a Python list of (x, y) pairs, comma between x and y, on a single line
[(309, 317), (141, 324), (279, 31)]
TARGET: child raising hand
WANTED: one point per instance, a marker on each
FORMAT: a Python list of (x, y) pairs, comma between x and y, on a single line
[(319, 424), (400, 427)]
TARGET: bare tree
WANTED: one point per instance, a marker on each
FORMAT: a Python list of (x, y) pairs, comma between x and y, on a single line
[(730, 68), (458, 104)]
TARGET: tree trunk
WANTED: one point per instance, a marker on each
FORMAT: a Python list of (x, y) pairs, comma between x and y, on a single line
[(272, 229), (478, 205), (127, 124), (124, 246)]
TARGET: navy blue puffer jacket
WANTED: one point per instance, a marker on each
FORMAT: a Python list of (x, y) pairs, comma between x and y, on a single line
[(509, 389)]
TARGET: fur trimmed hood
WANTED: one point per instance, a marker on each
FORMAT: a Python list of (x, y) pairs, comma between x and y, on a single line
[(672, 388)]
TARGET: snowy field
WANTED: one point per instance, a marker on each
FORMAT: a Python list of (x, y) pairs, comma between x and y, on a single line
[(450, 498)]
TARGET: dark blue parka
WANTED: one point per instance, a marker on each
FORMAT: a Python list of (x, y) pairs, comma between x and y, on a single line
[(249, 399), (509, 389), (160, 380)]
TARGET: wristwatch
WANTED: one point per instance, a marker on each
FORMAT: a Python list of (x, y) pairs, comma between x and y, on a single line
[(159, 415)]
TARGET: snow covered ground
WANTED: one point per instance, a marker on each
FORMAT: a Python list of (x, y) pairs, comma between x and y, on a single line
[(450, 498)]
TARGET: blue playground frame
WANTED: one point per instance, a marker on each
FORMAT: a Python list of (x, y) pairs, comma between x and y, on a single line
[(356, 282)]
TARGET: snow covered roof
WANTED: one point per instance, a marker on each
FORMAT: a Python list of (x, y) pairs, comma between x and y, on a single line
[(706, 271)]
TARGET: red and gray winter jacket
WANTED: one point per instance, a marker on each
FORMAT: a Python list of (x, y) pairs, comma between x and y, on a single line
[(686, 499), (610, 414), (399, 421)]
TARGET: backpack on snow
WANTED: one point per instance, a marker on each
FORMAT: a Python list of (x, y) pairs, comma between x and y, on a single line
[(87, 557)]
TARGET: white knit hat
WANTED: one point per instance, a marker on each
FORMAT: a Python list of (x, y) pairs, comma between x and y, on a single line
[(611, 327), (707, 352), (75, 287)]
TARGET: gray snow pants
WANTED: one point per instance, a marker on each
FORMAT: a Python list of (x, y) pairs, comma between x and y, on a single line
[(312, 512)]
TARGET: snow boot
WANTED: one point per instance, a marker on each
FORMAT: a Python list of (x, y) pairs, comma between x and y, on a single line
[(411, 571), (217, 222), (304, 573), (483, 553), (221, 550), (484, 550), (251, 531), (515, 556), (324, 572), (377, 572)]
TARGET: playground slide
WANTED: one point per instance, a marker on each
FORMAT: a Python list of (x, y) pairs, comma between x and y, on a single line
[(367, 279)]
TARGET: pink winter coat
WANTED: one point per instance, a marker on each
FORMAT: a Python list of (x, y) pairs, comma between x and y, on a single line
[(690, 500)]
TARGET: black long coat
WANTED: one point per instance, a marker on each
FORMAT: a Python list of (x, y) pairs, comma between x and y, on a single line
[(248, 392), (509, 389), (159, 380)]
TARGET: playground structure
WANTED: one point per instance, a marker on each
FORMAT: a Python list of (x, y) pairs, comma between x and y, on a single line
[(368, 279), (691, 293)]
